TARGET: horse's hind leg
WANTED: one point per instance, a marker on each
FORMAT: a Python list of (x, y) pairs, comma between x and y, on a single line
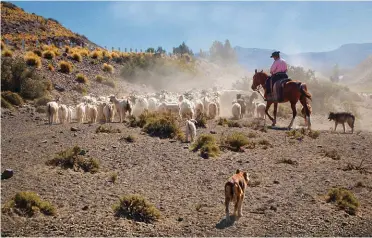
[(294, 113), (307, 112)]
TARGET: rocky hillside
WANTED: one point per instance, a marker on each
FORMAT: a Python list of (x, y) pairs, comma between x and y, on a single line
[(18, 25)]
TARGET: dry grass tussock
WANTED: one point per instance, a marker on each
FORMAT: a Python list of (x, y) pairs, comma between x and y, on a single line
[(344, 199), (105, 129), (32, 59), (65, 67), (236, 141), (106, 81), (207, 144), (74, 159), (108, 68), (7, 53), (27, 203), (137, 208), (81, 78)]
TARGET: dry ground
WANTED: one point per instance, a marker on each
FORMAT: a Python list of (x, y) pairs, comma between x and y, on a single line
[(285, 201)]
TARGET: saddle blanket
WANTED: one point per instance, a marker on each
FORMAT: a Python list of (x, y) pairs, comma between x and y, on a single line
[(278, 87)]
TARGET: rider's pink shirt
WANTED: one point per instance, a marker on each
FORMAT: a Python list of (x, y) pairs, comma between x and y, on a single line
[(279, 65)]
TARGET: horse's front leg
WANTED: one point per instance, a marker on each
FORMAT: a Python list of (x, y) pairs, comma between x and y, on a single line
[(294, 113), (268, 105)]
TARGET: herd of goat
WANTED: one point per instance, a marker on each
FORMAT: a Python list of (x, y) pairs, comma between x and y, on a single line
[(190, 105)]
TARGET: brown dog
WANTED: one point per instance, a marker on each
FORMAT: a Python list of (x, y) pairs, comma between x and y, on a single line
[(235, 192)]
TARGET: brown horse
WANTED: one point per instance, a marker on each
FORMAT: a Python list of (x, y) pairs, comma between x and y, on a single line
[(293, 91)]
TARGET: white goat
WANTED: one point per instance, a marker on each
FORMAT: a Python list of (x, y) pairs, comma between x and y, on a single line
[(260, 110), (153, 103), (169, 107), (93, 113), (122, 106), (52, 112), (213, 110), (140, 106), (236, 111), (80, 112), (63, 113), (108, 112), (190, 130), (186, 108)]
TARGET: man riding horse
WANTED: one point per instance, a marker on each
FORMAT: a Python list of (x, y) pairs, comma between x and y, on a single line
[(278, 71)]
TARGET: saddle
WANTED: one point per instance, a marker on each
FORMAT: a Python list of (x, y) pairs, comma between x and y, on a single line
[(277, 92)]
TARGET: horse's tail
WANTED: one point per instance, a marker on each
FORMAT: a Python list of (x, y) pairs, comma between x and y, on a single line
[(304, 92)]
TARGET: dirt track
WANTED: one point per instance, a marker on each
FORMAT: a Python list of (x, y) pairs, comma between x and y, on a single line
[(286, 202)]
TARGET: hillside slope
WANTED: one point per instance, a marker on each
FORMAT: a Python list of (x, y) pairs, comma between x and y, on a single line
[(18, 25)]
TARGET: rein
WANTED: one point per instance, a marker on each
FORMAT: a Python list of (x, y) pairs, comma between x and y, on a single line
[(258, 90)]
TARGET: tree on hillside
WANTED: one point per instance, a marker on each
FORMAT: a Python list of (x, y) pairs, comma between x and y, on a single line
[(160, 50), (298, 73), (150, 50), (182, 49), (222, 52), (202, 54)]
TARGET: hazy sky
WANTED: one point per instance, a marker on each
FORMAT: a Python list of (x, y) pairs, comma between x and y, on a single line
[(287, 26)]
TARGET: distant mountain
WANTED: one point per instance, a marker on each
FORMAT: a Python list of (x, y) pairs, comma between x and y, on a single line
[(361, 74), (347, 56)]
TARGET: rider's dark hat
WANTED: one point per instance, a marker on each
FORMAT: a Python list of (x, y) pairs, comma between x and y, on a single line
[(275, 53)]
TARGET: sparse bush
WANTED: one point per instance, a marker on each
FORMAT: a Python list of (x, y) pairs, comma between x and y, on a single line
[(81, 88), (162, 125), (207, 145), (108, 68), (114, 177), (74, 159), (17, 77), (313, 134), (81, 78), (231, 123), (332, 154), (130, 138), (42, 101), (28, 203), (41, 109), (7, 53), (100, 79), (137, 208), (48, 54), (38, 52), (6, 104), (32, 59), (104, 129), (12, 98), (236, 141), (344, 199), (96, 54), (288, 161), (77, 57), (264, 142), (65, 67), (222, 121)]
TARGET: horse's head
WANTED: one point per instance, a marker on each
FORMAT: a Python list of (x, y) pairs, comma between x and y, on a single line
[(259, 78)]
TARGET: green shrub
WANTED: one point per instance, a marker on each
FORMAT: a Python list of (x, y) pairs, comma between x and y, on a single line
[(236, 140), (32, 59), (77, 57), (81, 78), (344, 199), (17, 77), (7, 53), (65, 67), (6, 104), (207, 145), (12, 98), (42, 101), (48, 54), (73, 159), (137, 208), (162, 125), (108, 68), (104, 129), (29, 203)]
